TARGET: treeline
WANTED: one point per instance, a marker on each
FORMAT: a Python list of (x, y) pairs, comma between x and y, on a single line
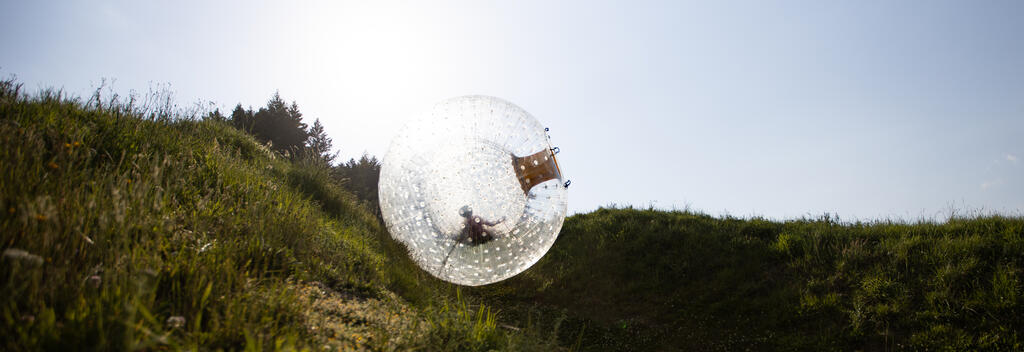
[(280, 126)]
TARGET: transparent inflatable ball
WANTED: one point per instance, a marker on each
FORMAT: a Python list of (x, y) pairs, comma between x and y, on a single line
[(473, 190)]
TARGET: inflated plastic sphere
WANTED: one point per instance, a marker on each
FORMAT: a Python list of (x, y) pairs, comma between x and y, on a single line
[(472, 188)]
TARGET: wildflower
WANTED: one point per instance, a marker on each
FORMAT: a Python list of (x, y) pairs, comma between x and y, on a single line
[(206, 246), (176, 321), (40, 217), (77, 144), (67, 145), (53, 165)]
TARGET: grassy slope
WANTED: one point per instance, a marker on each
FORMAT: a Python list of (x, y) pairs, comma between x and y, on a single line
[(643, 279), (126, 227), (118, 223)]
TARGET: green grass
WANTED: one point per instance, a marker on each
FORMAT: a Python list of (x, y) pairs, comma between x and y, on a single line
[(126, 224), (647, 279)]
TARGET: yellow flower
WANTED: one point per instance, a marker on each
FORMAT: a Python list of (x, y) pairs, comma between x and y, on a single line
[(52, 165), (40, 217), (77, 144), (67, 145)]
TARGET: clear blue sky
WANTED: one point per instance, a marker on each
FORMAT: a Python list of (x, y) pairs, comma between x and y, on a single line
[(866, 109)]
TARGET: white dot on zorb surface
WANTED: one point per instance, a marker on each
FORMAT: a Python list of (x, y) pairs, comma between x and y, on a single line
[(468, 158)]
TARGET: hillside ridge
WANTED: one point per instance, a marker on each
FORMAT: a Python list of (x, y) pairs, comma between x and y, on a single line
[(127, 226)]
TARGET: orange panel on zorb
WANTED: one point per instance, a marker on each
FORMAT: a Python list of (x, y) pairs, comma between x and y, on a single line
[(535, 169), (473, 190)]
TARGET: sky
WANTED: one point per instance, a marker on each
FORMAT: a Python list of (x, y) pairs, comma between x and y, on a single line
[(782, 109)]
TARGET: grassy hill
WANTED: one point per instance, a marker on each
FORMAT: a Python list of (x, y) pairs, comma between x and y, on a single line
[(645, 279), (130, 225)]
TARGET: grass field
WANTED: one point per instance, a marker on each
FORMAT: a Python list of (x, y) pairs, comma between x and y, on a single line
[(130, 224), (648, 279)]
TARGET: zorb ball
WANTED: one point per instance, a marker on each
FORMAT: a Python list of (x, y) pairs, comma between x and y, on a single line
[(472, 188)]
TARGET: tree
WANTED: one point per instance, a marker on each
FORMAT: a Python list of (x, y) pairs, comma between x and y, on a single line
[(281, 124), (361, 178), (215, 116), (319, 143), (242, 119), (277, 123)]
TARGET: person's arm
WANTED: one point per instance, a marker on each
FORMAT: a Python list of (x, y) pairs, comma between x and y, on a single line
[(494, 223)]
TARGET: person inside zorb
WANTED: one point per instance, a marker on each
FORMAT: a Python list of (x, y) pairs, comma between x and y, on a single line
[(473, 190), (475, 231)]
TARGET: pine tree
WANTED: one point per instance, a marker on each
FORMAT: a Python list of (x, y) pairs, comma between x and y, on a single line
[(319, 143), (281, 125), (361, 178), (242, 119), (215, 116)]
